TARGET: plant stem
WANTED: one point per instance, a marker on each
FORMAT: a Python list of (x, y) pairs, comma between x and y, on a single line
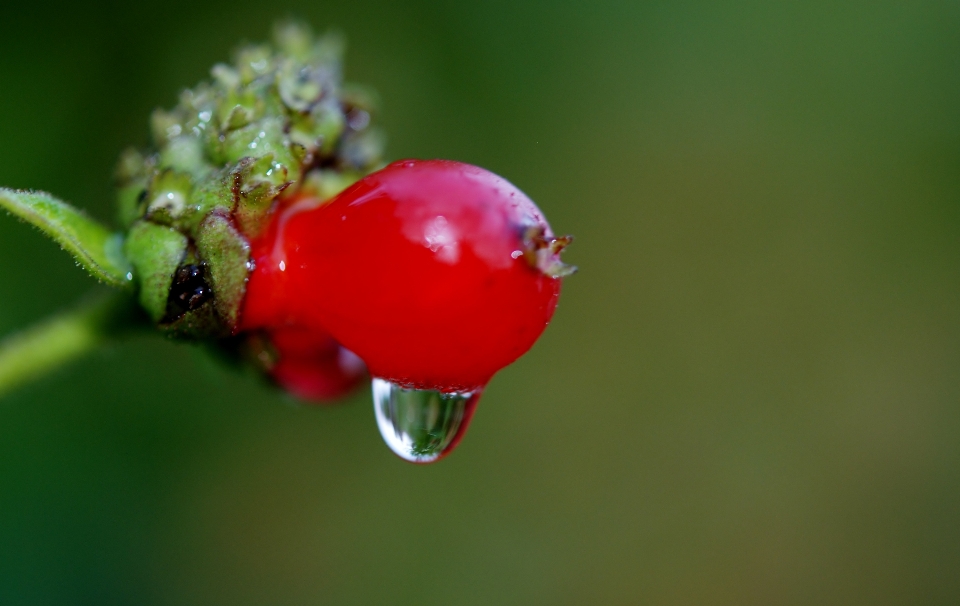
[(39, 350)]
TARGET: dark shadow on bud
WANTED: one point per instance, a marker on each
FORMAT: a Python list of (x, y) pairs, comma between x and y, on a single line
[(188, 292)]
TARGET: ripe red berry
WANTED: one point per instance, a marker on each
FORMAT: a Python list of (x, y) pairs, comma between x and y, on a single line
[(437, 274), (312, 365)]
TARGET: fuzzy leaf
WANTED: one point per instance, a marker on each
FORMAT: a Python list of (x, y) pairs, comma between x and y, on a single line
[(92, 245)]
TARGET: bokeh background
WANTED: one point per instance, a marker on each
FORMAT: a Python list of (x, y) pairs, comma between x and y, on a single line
[(750, 394)]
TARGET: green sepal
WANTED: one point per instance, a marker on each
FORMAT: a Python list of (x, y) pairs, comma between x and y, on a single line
[(252, 140), (169, 197), (156, 252), (185, 154), (214, 194), (93, 246), (260, 181), (253, 61), (227, 255), (320, 128)]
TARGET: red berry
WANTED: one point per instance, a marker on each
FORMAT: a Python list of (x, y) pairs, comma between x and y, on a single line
[(313, 366), (436, 273)]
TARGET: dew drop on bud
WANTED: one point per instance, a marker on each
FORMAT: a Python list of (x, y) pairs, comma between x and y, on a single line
[(421, 425)]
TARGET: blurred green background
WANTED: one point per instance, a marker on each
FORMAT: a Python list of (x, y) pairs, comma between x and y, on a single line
[(750, 394)]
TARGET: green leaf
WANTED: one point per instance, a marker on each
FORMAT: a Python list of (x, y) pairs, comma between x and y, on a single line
[(92, 245)]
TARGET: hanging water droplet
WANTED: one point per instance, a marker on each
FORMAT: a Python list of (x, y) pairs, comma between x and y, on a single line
[(421, 425)]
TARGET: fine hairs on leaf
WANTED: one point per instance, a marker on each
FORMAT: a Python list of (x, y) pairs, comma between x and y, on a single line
[(93, 246)]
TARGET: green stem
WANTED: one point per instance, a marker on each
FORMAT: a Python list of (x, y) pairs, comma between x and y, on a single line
[(39, 350)]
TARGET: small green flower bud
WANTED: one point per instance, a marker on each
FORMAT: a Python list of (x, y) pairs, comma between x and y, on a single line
[(277, 120)]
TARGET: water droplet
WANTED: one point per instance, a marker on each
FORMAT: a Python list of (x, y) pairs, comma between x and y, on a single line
[(421, 425)]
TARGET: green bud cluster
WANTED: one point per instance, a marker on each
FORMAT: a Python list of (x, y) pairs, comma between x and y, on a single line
[(277, 120)]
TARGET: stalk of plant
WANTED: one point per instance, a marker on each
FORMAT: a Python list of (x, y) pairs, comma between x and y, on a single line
[(264, 224)]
